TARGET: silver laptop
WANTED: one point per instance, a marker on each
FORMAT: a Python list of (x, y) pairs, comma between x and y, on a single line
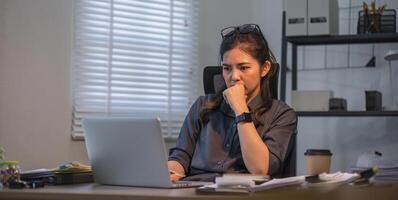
[(128, 152)]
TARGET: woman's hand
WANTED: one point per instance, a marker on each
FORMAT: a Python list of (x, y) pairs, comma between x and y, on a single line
[(236, 98), (176, 170)]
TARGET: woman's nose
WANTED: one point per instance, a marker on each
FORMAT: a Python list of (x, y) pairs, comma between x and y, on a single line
[(235, 75)]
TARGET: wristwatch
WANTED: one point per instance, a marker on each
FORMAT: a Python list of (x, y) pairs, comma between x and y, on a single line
[(244, 117)]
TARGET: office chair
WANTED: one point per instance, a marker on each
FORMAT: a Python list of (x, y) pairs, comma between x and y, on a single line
[(213, 82)]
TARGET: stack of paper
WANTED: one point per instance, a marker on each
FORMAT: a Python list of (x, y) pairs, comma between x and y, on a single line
[(387, 168), (73, 167), (278, 182), (72, 173), (67, 173), (240, 179), (385, 174), (248, 183), (45, 176), (334, 179)]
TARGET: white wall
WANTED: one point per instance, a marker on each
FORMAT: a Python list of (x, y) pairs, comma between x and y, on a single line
[(35, 100), (347, 138), (35, 88), (213, 16)]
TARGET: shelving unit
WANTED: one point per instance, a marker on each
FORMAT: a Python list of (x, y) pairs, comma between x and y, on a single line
[(296, 41), (347, 113), (344, 39)]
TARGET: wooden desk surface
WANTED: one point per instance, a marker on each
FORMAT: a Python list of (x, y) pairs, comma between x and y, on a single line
[(101, 192)]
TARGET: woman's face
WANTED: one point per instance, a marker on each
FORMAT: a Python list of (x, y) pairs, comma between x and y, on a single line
[(240, 67)]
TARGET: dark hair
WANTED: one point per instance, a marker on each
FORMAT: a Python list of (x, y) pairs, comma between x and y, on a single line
[(255, 45)]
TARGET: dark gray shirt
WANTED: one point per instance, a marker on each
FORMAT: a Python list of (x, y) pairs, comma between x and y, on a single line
[(214, 147)]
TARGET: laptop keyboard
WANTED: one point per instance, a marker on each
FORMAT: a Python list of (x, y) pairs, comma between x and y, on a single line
[(185, 184)]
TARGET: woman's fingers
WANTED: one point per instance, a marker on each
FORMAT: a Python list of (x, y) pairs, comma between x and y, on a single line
[(234, 93), (174, 178), (236, 97), (225, 96)]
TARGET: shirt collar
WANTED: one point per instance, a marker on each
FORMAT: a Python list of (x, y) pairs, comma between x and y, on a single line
[(226, 109), (256, 102)]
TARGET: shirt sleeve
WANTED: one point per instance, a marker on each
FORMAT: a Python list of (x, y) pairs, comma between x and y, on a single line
[(185, 145), (278, 136)]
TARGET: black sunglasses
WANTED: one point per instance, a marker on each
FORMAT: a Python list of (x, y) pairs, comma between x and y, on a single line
[(243, 29)]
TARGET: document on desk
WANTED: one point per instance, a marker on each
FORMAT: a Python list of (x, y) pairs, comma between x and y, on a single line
[(249, 184), (246, 185), (278, 182), (385, 174), (333, 179), (241, 179)]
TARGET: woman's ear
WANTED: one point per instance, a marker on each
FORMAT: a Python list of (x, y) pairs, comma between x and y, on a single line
[(265, 68)]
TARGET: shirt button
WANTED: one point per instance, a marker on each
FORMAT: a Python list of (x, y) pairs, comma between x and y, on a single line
[(220, 164), (228, 145)]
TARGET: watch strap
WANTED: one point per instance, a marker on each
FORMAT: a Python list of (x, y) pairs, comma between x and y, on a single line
[(244, 117)]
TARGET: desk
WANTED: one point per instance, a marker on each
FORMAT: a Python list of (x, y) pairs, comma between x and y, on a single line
[(101, 192)]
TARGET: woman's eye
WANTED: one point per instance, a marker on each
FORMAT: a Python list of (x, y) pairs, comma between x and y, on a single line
[(226, 68), (243, 68)]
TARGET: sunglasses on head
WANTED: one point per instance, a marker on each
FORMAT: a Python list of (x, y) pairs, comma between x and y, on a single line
[(243, 29)]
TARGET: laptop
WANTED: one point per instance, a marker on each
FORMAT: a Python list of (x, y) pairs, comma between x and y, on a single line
[(129, 152)]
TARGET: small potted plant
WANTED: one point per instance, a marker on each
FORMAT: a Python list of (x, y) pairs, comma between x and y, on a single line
[(9, 170)]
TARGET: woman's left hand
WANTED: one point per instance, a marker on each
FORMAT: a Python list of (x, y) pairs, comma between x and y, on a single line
[(236, 98), (176, 170)]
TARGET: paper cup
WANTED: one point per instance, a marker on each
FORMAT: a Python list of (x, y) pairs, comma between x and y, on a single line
[(318, 161)]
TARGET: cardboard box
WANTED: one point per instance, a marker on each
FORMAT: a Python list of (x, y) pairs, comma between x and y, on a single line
[(323, 17), (312, 17), (311, 100), (296, 17)]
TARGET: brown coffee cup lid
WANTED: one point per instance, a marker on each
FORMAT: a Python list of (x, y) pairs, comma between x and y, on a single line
[(318, 152)]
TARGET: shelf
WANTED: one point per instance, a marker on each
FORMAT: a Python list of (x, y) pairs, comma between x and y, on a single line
[(344, 39), (347, 113), (296, 41)]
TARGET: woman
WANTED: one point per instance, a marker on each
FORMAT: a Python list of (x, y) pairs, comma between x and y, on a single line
[(241, 129)]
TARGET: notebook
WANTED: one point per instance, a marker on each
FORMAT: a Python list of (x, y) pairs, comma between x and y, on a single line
[(128, 152)]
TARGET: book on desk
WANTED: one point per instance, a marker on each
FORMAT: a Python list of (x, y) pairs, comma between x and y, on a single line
[(67, 173), (54, 178), (73, 178)]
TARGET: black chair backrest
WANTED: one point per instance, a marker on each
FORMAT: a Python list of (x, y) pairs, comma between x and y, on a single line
[(213, 82), (290, 163)]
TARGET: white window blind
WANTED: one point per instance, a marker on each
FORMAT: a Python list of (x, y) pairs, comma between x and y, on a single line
[(134, 58)]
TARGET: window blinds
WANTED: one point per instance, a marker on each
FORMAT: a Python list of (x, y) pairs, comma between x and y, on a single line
[(134, 58)]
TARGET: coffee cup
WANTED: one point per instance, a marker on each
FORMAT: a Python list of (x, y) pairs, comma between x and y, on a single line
[(318, 161)]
